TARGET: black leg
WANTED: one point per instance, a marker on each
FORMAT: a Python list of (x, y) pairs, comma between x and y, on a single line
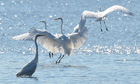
[(101, 26), (58, 59), (105, 26), (50, 54)]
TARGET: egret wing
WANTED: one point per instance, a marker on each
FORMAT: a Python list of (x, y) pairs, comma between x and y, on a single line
[(78, 38), (89, 14), (50, 42), (31, 35), (117, 7), (24, 36)]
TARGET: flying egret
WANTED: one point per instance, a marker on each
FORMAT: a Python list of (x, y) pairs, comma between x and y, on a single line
[(30, 67), (101, 16), (30, 36)]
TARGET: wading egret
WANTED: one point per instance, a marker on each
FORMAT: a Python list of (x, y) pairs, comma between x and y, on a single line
[(30, 67), (64, 44)]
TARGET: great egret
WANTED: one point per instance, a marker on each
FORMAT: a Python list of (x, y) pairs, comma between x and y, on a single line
[(30, 67), (65, 43), (31, 35), (101, 16)]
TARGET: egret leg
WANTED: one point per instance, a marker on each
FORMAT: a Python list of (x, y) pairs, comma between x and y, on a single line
[(58, 59), (50, 54), (105, 26), (101, 27)]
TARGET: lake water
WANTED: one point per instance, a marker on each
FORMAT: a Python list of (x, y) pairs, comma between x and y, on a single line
[(111, 57)]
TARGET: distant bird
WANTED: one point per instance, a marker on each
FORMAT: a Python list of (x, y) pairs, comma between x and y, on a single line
[(101, 16), (31, 35), (30, 67)]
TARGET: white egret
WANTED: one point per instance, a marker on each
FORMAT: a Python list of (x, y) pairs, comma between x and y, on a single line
[(65, 43), (30, 67), (101, 16)]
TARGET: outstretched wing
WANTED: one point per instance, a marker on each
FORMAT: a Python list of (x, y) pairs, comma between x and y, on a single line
[(78, 38), (24, 36), (30, 36), (117, 7), (50, 42), (89, 14), (100, 15)]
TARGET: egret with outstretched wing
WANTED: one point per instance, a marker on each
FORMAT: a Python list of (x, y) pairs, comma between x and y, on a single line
[(101, 16), (65, 43)]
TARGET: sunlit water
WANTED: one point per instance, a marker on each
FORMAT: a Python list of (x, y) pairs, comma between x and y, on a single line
[(106, 57)]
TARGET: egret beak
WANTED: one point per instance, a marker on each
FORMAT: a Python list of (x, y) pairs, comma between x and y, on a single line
[(42, 21), (42, 35), (56, 19)]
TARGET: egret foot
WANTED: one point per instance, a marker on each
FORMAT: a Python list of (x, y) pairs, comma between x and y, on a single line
[(101, 30), (106, 29)]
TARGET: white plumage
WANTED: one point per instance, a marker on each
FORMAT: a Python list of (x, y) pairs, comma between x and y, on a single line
[(101, 15)]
